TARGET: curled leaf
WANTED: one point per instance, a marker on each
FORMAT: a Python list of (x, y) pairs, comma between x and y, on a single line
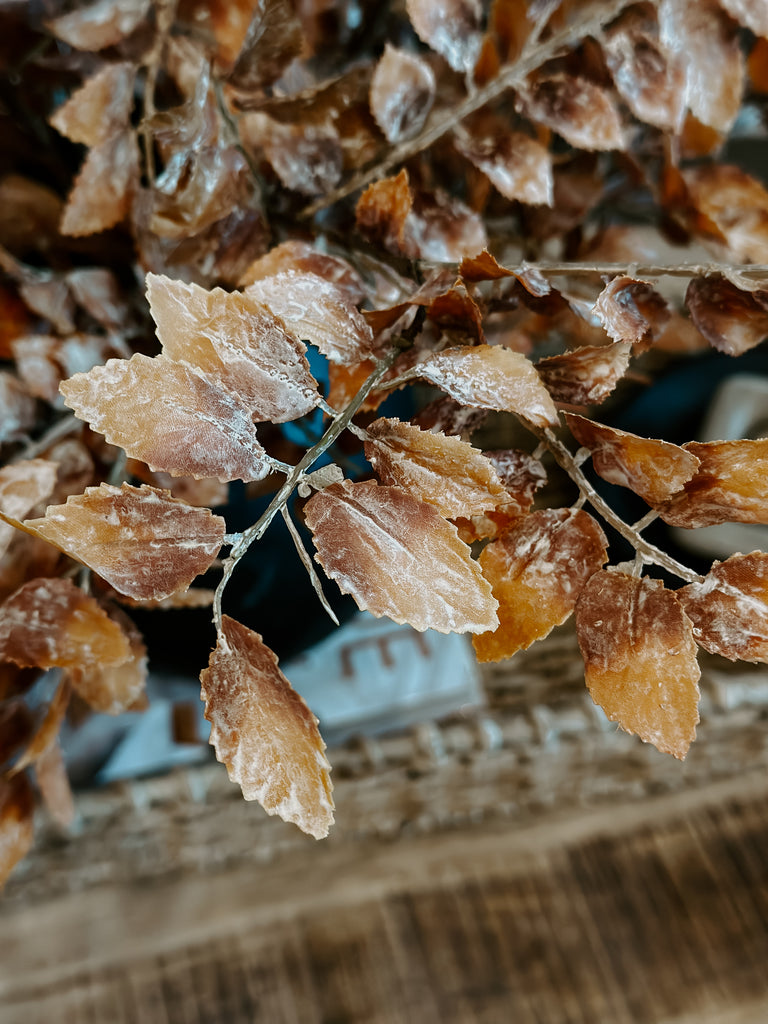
[(640, 658), (402, 93), (733, 320), (398, 557), (537, 569), (631, 310), (264, 733), (587, 375)]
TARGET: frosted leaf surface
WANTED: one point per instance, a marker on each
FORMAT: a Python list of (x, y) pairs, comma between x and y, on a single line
[(733, 320), (51, 622), (17, 805), (142, 541), (444, 471), (99, 108), (735, 206), (520, 474), (631, 310), (99, 25), (22, 486), (317, 310), (103, 190), (398, 557), (402, 93), (264, 733), (113, 689), (585, 376), (491, 377), (582, 112), (729, 608), (651, 468), (307, 158), (640, 658), (304, 258), (453, 28), (238, 342), (537, 569), (518, 166), (170, 417), (728, 487)]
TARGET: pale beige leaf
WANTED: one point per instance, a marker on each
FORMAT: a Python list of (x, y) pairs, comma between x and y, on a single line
[(238, 343), (22, 486), (398, 557), (582, 112), (631, 310), (264, 733), (732, 319), (100, 107), (587, 375), (516, 164), (453, 28), (98, 25), (735, 207), (113, 689), (753, 14), (53, 783), (537, 569), (640, 658), (142, 541), (102, 193), (170, 417), (491, 377), (304, 258), (402, 93), (17, 806), (444, 471)]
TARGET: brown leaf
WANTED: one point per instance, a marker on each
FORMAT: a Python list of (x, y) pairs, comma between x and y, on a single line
[(51, 299), (43, 361), (273, 39), (101, 24), (238, 342), (103, 190), (307, 158), (491, 377), (456, 313), (398, 557), (453, 28), (383, 209), (53, 783), (142, 541), (518, 166), (402, 93), (170, 417), (17, 805), (47, 732), (111, 689), (520, 473), (485, 267), (752, 14), (305, 259), (631, 310), (99, 108), (728, 487), (51, 622), (734, 206), (653, 469), (17, 408), (581, 111), (640, 658), (587, 375), (537, 569), (447, 416), (318, 310), (733, 320), (22, 486), (16, 720), (264, 733), (729, 608), (444, 471)]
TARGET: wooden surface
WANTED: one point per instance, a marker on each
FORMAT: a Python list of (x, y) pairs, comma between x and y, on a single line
[(651, 911)]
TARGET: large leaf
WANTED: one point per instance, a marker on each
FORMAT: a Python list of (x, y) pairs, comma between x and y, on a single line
[(398, 557), (640, 658), (264, 733)]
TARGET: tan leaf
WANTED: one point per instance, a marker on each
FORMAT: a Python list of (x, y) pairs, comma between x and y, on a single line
[(382, 211), (113, 689), (43, 360), (195, 597), (581, 111), (17, 408), (101, 24), (238, 343), (170, 417), (753, 14), (491, 377), (734, 205), (17, 805), (100, 107), (22, 486), (733, 320), (518, 166), (453, 28), (537, 569), (485, 267), (47, 732), (729, 608), (274, 37), (317, 310), (444, 471), (398, 557), (587, 375), (447, 416), (640, 658), (103, 190), (305, 259), (521, 475), (264, 733), (728, 487), (307, 158), (456, 313), (653, 469), (51, 622), (53, 783), (402, 93), (142, 541), (631, 310)]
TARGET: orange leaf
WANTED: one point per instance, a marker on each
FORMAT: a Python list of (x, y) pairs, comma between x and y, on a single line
[(398, 557), (112, 689), (587, 375), (537, 569), (170, 417), (17, 805), (264, 733), (640, 658), (142, 541)]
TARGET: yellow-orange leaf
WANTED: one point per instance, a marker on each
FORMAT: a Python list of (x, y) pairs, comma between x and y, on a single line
[(640, 658), (537, 569), (112, 689), (264, 733), (22, 486), (398, 557), (142, 541), (17, 805)]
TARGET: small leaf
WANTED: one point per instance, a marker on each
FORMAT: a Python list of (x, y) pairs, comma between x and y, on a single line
[(22, 486), (653, 469), (170, 417), (398, 557), (734, 206), (631, 310), (274, 37), (98, 25), (47, 732), (537, 569), (444, 471), (640, 658), (113, 689), (453, 28), (516, 164), (491, 377), (264, 733), (100, 107), (733, 320), (587, 375), (17, 805), (402, 93), (142, 541), (102, 193), (579, 110)]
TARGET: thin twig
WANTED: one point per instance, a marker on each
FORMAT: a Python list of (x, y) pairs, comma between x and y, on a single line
[(165, 14), (61, 428), (306, 561)]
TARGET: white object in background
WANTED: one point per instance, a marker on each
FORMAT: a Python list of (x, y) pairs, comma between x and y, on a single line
[(739, 409)]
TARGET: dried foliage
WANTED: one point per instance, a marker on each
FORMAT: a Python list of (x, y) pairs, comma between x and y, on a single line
[(476, 177)]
